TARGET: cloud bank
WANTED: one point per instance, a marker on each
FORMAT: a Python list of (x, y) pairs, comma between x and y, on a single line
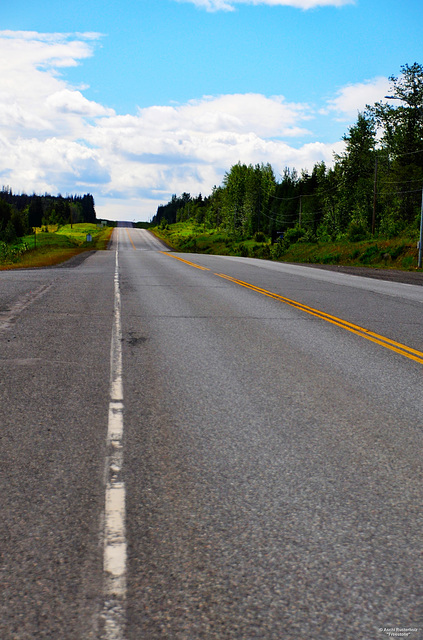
[(53, 139)]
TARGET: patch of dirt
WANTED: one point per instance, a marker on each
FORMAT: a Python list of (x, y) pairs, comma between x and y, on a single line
[(75, 261)]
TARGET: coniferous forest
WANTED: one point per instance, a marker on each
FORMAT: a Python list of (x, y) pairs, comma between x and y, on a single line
[(373, 187)]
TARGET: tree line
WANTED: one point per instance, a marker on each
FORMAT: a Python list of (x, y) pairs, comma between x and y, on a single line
[(19, 214), (374, 186)]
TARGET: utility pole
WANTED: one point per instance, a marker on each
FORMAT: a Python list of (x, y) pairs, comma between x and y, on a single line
[(419, 264), (374, 198), (259, 211), (301, 211)]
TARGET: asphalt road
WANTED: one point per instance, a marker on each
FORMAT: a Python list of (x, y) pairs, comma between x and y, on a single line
[(270, 452)]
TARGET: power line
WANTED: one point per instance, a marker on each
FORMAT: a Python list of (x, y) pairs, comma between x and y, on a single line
[(398, 193), (306, 195), (402, 181), (292, 217)]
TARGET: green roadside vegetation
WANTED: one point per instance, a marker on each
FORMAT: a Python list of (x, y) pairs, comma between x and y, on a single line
[(53, 244), (380, 252)]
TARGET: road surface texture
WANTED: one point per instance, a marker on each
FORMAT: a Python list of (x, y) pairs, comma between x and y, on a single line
[(258, 427)]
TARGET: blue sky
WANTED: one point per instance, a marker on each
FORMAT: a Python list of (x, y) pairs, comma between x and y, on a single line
[(138, 99)]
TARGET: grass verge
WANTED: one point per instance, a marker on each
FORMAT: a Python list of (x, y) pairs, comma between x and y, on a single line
[(51, 245), (379, 253)]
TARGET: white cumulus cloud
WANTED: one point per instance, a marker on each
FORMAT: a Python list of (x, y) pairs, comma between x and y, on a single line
[(73, 102), (353, 98), (43, 121)]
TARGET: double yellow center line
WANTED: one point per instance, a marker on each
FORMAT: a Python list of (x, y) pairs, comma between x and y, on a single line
[(402, 349), (130, 239), (191, 264)]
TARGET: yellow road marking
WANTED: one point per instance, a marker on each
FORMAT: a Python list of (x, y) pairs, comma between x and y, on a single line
[(402, 349), (129, 236), (191, 264)]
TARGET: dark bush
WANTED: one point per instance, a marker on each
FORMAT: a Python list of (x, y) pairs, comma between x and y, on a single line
[(356, 231), (9, 234), (370, 254), (293, 235), (259, 237)]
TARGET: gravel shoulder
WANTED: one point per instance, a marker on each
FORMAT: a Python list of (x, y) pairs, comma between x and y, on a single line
[(391, 275)]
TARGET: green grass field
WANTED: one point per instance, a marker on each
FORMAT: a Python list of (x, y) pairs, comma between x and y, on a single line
[(52, 245)]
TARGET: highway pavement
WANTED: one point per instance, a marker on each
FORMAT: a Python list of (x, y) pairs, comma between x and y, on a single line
[(195, 446)]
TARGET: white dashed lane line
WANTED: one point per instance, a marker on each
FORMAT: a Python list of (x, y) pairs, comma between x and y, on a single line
[(113, 529)]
